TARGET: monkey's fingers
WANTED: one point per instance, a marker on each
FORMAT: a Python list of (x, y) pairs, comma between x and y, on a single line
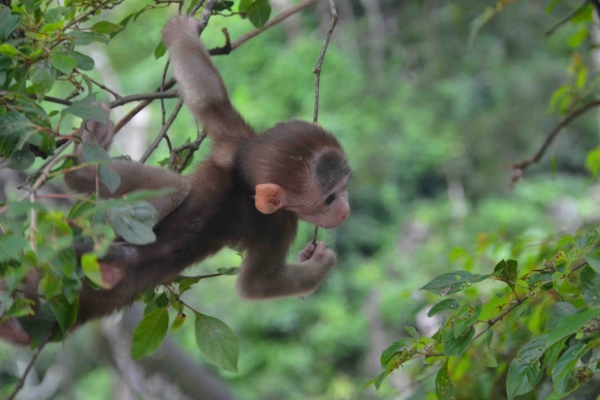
[(307, 253)]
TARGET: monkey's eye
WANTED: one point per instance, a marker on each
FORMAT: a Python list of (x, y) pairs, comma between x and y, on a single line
[(330, 199)]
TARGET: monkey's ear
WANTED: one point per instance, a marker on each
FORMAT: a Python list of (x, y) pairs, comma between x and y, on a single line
[(269, 198)]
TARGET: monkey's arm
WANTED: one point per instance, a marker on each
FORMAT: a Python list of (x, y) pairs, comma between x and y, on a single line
[(201, 84), (265, 274)]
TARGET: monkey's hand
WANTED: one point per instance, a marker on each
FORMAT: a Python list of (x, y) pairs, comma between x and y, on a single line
[(318, 254)]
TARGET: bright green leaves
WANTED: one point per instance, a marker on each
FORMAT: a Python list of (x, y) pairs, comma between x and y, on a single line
[(452, 282), (150, 333), (217, 342), (257, 11), (525, 371)]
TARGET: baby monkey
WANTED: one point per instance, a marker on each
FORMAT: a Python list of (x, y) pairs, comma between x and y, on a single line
[(248, 195)]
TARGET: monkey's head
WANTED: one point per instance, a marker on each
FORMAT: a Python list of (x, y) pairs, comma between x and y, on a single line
[(299, 167)]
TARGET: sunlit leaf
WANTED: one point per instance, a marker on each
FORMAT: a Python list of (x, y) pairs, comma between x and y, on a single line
[(452, 282)]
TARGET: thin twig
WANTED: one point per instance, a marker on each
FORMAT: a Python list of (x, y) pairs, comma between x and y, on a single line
[(162, 103), (36, 354), (520, 167), (163, 131), (196, 8), (565, 19), (101, 86), (317, 72), (5, 93), (274, 21), (143, 96)]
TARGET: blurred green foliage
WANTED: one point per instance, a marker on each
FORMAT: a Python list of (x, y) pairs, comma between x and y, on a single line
[(429, 123)]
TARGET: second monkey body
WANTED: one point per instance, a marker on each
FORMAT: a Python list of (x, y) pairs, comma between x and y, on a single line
[(247, 195)]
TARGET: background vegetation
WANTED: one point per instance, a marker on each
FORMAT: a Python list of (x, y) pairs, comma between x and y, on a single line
[(433, 101)]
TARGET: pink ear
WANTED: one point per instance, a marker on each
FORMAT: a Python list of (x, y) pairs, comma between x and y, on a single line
[(269, 198)]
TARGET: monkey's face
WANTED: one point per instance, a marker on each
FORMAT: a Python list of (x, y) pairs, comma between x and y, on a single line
[(324, 209)]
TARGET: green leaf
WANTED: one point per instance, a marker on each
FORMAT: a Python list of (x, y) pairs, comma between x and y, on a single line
[(465, 317), (592, 296), (452, 282), (412, 332), (593, 260), (186, 283), (178, 322), (578, 37), (160, 50), (84, 62), (592, 161), (42, 76), (51, 285), (150, 333), (134, 223), (21, 307), (11, 247), (94, 154), (243, 5), (444, 388), (395, 348), (111, 179), (87, 109), (589, 278), (65, 312), (258, 12), (456, 346), (8, 22), (91, 269), (557, 312), (63, 63), (507, 271), (525, 372), (105, 27), (570, 324), (162, 300), (8, 50), (490, 359), (448, 304), (224, 5), (217, 342), (563, 368), (20, 160)]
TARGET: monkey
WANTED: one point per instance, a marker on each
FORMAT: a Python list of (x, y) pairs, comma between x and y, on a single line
[(247, 195)]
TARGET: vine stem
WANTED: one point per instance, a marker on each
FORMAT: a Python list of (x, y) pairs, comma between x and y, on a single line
[(317, 72)]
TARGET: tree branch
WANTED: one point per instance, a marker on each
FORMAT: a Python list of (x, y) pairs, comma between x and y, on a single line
[(317, 72), (275, 20), (162, 132), (520, 167), (30, 365), (143, 96)]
